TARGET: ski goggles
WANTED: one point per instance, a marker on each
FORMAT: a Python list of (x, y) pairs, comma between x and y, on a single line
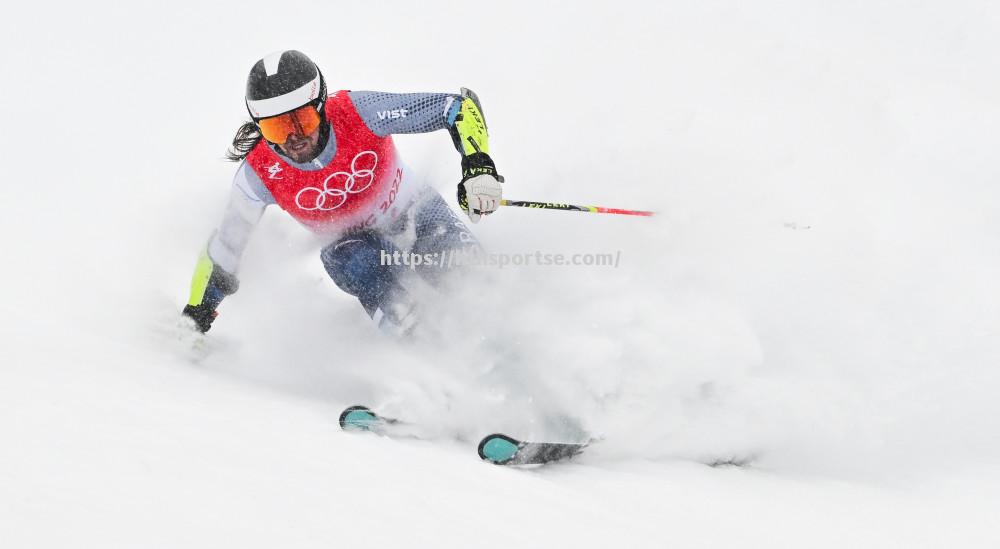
[(302, 121)]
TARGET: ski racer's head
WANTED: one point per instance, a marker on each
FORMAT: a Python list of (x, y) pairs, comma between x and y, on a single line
[(286, 93)]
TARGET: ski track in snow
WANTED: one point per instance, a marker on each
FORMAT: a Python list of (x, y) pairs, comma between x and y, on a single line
[(817, 295)]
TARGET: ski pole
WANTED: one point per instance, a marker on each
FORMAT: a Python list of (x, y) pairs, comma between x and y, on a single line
[(573, 208)]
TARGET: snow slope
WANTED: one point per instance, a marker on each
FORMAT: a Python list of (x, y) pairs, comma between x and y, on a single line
[(818, 293)]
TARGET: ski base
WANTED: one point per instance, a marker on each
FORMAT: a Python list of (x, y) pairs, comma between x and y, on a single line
[(501, 449)]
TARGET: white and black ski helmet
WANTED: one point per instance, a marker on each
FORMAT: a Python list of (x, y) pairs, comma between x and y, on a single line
[(282, 82)]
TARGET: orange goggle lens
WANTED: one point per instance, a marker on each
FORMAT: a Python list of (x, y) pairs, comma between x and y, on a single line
[(302, 121)]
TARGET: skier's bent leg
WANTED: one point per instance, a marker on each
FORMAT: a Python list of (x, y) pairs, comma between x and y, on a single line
[(440, 231), (359, 264)]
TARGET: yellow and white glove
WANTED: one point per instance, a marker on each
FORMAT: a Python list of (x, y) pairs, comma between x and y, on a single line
[(479, 193)]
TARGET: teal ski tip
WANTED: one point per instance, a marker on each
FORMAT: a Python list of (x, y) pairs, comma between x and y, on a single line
[(498, 448), (358, 418)]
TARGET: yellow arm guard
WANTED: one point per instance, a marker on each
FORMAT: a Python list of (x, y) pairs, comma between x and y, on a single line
[(207, 275), (199, 282), (469, 130)]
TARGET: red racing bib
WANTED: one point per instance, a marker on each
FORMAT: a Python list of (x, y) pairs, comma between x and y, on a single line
[(359, 188)]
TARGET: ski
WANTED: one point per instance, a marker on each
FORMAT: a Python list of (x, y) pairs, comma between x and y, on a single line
[(361, 418), (496, 448), (501, 449)]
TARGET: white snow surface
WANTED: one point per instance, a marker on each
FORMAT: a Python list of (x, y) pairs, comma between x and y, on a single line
[(818, 293)]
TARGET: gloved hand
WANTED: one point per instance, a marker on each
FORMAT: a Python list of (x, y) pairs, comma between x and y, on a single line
[(202, 315), (479, 192)]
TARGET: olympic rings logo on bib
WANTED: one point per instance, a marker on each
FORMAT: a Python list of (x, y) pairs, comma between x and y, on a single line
[(326, 199)]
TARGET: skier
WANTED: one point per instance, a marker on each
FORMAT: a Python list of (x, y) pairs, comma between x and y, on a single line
[(330, 162)]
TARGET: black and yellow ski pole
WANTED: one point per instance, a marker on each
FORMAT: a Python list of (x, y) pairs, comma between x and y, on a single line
[(573, 208)]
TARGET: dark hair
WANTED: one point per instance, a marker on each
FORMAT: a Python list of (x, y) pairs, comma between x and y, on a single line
[(245, 140)]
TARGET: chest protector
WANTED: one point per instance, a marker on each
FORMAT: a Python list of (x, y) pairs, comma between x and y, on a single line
[(360, 187)]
